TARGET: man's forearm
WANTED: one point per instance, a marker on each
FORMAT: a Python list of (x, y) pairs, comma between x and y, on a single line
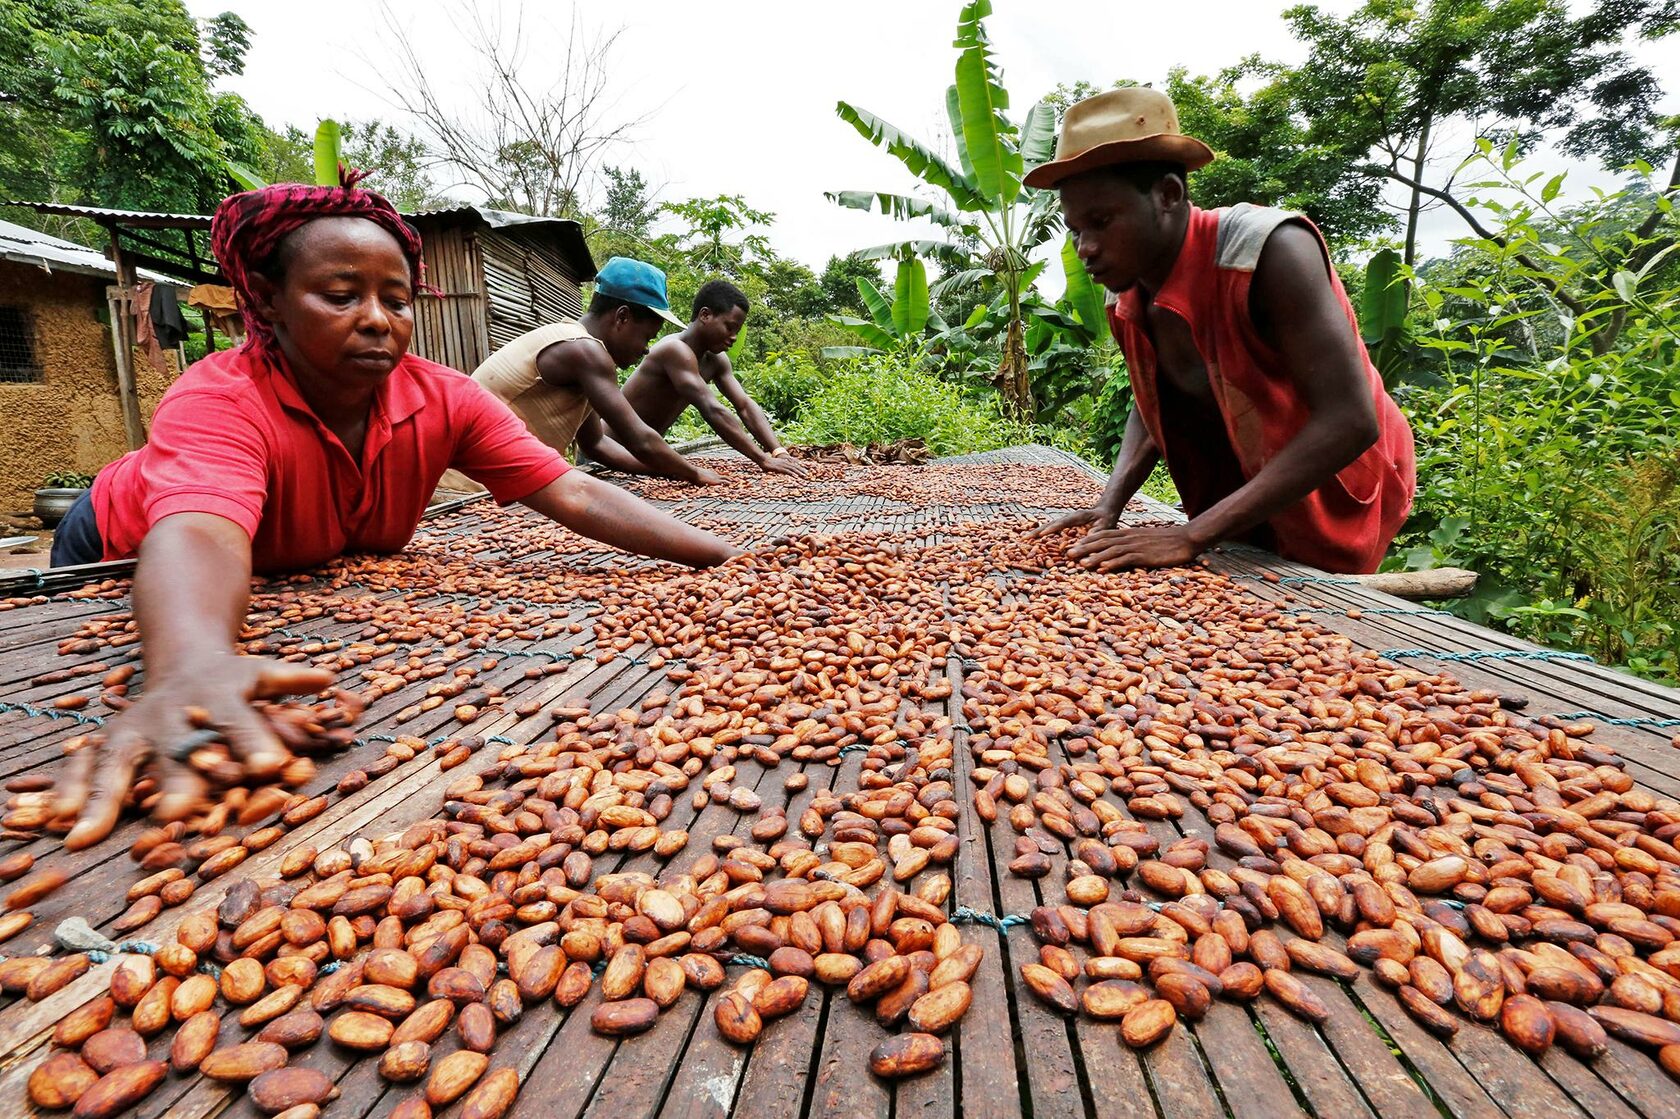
[(1323, 446), (192, 588), (759, 424), (613, 455), (1138, 456), (723, 421), (652, 455)]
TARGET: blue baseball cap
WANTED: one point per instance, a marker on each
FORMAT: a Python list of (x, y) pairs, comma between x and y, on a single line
[(638, 282)]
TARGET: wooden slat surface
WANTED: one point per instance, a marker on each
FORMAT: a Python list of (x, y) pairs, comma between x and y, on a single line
[(1011, 1055)]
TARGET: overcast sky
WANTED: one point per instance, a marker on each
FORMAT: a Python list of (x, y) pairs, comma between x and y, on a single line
[(739, 96)]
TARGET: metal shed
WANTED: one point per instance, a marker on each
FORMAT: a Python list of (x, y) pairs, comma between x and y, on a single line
[(497, 275)]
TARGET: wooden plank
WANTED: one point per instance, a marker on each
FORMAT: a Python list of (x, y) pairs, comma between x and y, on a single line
[(774, 1072), (986, 1068)]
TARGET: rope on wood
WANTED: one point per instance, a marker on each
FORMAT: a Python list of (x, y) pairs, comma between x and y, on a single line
[(1408, 612), (51, 713), (967, 916), (1577, 716), (745, 960), (1312, 580), (1475, 655)]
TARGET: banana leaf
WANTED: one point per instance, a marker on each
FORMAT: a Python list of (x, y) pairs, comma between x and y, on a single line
[(926, 164), (879, 309), (1038, 135), (1082, 293), (244, 176), (981, 100), (910, 307), (329, 154), (902, 207)]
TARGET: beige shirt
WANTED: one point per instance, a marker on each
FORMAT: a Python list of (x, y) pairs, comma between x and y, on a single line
[(550, 413)]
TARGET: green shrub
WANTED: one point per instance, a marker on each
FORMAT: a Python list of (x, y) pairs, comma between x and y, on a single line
[(883, 398), (1548, 454), (782, 384)]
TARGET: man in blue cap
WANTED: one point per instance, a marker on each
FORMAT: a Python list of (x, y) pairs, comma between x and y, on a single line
[(562, 379)]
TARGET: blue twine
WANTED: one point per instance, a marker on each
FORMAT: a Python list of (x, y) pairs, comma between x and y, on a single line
[(329, 967), (501, 740), (1309, 580), (749, 961), (1407, 612), (966, 916), (52, 713), (854, 748), (1655, 724), (1487, 655)]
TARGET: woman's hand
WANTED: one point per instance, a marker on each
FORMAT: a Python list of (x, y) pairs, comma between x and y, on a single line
[(157, 734)]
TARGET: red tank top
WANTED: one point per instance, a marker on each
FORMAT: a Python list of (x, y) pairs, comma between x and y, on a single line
[(1347, 523)]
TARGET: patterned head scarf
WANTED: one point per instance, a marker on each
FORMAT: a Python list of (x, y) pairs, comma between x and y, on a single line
[(248, 227)]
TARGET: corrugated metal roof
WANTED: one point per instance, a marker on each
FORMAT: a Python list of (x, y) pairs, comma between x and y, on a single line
[(23, 245), (567, 232), (140, 219)]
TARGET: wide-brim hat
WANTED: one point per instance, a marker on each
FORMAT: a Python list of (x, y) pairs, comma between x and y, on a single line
[(1131, 125)]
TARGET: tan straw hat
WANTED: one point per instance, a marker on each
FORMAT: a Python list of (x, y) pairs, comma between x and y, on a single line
[(1131, 125)]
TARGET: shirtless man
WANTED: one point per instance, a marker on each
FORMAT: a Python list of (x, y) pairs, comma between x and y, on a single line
[(562, 379), (682, 370), (1248, 374)]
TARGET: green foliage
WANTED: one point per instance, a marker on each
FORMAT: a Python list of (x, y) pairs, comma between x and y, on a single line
[(226, 41), (883, 398), (994, 222), (66, 480), (782, 384), (1381, 84), (1382, 310), (1545, 462)]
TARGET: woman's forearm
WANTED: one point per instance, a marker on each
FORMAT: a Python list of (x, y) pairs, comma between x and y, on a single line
[(604, 512), (192, 588)]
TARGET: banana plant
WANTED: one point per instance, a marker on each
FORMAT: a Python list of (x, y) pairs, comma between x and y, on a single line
[(991, 220), (898, 323), (1382, 313), (329, 160)]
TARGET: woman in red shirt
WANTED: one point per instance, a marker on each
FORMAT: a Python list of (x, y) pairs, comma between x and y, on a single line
[(321, 434)]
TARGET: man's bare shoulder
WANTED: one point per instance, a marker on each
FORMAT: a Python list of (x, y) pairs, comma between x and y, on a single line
[(566, 360), (668, 353)]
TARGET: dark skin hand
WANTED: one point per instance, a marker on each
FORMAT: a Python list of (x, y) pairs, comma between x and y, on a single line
[(1129, 238), (343, 320), (681, 370)]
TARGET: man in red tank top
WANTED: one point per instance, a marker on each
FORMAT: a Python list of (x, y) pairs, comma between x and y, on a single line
[(1247, 370)]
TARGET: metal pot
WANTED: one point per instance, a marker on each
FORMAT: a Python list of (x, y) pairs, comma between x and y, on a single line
[(51, 503)]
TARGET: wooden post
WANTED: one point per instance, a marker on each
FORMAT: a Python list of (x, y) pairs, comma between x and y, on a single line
[(123, 339)]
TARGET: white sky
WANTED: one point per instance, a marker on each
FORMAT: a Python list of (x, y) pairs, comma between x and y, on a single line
[(741, 94)]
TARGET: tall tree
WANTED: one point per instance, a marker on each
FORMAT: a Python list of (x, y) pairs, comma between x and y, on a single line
[(1383, 85), (628, 207), (539, 127)]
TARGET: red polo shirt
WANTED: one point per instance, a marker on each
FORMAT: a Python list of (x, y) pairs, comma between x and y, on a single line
[(234, 437)]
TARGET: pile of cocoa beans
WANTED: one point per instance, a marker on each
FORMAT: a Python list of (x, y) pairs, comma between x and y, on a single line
[(494, 905), (1225, 792)]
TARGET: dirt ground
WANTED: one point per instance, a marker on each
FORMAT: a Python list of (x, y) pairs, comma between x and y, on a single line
[(23, 556)]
